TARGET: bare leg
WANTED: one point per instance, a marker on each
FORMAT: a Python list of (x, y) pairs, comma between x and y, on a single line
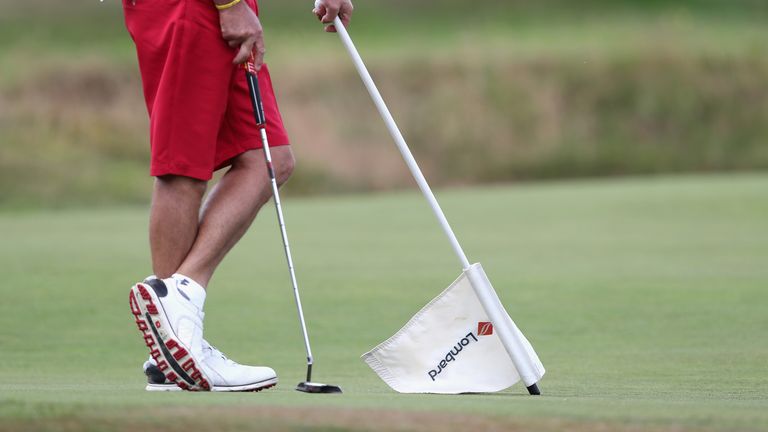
[(173, 221), (231, 208)]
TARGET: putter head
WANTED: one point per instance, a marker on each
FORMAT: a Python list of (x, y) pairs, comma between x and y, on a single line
[(311, 387)]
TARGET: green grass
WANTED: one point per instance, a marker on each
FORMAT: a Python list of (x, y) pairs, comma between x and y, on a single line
[(645, 300)]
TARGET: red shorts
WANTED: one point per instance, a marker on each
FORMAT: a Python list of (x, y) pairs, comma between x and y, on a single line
[(200, 112)]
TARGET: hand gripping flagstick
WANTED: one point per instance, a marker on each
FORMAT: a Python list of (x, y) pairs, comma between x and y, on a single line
[(508, 333), (258, 109)]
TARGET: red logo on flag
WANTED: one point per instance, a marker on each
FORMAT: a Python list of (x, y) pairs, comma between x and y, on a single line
[(484, 328)]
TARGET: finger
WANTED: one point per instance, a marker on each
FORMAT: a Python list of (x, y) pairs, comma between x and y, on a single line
[(330, 14), (258, 53), (244, 52), (330, 28), (345, 13), (319, 11), (233, 43), (345, 19)]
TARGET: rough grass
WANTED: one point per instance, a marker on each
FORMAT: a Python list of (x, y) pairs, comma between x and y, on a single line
[(644, 298), (283, 419)]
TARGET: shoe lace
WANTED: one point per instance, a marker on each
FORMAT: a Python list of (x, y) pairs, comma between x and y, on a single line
[(211, 351)]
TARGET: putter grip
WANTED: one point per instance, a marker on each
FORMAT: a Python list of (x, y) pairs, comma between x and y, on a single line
[(255, 93)]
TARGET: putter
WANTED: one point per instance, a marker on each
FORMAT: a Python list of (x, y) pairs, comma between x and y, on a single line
[(258, 110)]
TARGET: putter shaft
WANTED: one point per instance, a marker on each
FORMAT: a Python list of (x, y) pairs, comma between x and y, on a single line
[(258, 109)]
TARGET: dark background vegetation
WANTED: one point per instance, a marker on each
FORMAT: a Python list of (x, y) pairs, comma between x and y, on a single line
[(485, 91)]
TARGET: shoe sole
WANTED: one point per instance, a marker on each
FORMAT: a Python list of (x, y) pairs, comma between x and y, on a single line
[(178, 366), (246, 388), (255, 387), (162, 388)]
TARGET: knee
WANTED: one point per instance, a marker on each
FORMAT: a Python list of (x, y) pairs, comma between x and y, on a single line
[(181, 185), (284, 164), (253, 161)]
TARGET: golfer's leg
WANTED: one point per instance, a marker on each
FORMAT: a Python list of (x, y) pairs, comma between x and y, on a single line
[(173, 221), (231, 208)]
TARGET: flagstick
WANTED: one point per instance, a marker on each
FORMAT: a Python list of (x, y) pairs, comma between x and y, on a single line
[(400, 142), (483, 289)]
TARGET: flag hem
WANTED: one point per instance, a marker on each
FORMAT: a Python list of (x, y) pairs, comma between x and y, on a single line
[(382, 371)]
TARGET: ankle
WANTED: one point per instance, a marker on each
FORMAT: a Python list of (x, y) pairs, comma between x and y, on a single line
[(201, 278), (190, 289)]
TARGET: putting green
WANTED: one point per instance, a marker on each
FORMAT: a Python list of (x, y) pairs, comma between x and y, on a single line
[(645, 299)]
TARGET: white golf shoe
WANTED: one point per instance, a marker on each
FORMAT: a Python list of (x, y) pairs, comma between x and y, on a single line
[(156, 380), (169, 314), (225, 374)]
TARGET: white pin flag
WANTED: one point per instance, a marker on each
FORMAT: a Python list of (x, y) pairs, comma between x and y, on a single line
[(403, 356), (451, 346)]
